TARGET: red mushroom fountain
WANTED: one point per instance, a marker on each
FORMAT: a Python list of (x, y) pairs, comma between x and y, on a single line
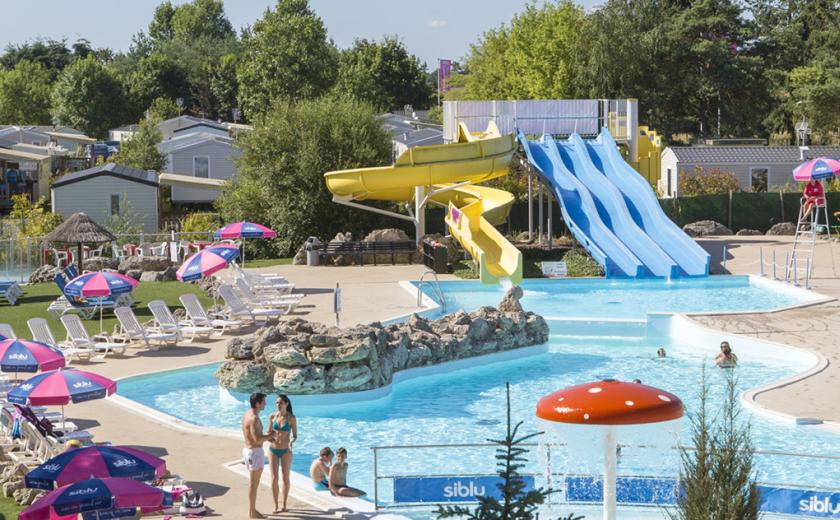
[(612, 405)]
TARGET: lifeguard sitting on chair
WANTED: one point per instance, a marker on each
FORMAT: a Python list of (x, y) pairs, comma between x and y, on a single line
[(813, 196)]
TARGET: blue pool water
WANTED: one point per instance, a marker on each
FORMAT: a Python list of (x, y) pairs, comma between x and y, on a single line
[(616, 298), (467, 405)]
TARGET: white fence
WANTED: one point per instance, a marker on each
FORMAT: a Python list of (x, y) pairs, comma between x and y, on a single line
[(556, 116)]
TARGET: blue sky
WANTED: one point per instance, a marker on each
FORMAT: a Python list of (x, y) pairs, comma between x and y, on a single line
[(431, 29)]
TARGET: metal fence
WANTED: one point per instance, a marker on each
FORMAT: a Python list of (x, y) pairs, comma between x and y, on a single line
[(19, 258), (804, 472), (557, 117)]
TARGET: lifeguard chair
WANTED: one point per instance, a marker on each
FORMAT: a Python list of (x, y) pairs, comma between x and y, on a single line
[(805, 239)]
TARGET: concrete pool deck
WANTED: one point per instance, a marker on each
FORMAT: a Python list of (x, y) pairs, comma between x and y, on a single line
[(815, 328)]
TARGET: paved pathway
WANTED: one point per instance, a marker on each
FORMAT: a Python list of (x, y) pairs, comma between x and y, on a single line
[(816, 327)]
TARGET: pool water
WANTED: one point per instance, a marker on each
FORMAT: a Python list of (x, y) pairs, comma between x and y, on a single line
[(633, 299)]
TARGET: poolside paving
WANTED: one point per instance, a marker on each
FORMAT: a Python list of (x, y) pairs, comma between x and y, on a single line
[(368, 294), (816, 327)]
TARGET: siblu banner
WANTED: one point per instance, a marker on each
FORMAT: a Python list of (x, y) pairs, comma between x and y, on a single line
[(449, 489), (444, 72), (663, 491)]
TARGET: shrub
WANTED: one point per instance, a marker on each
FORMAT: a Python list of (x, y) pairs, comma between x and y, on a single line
[(199, 222), (126, 224), (702, 182), (35, 219), (580, 264)]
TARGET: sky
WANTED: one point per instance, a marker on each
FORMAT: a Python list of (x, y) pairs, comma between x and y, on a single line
[(431, 29)]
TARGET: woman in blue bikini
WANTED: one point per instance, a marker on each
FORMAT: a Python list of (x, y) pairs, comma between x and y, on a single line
[(284, 422)]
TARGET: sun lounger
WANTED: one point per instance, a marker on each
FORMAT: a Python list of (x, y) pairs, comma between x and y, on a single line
[(11, 292), (166, 322), (87, 308), (7, 332), (259, 282), (197, 317), (236, 308), (98, 346), (287, 302), (41, 332), (131, 331)]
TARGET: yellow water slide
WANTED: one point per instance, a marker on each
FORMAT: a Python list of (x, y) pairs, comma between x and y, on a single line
[(450, 173)]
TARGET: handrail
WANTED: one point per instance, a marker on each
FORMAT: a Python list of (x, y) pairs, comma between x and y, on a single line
[(435, 287)]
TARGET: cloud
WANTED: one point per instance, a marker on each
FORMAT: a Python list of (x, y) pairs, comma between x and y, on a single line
[(437, 24)]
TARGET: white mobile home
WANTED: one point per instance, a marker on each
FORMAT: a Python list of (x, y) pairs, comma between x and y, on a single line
[(106, 190), (202, 155), (757, 168)]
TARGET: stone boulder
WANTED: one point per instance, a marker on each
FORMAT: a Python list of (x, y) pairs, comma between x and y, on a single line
[(101, 263), (167, 275), (341, 259), (300, 380), (285, 356), (345, 376), (704, 228), (210, 286), (145, 263), (782, 228), (510, 301), (245, 376), (748, 232), (44, 274), (386, 235), (453, 250)]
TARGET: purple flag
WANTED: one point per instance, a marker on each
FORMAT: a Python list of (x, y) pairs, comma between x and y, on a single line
[(444, 71)]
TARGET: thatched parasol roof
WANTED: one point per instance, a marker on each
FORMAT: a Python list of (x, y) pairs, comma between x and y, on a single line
[(79, 229)]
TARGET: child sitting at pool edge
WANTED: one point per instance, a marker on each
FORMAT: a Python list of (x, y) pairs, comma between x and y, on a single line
[(338, 477)]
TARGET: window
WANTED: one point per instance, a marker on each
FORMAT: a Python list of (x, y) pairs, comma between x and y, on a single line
[(201, 167), (669, 192), (114, 206), (758, 179)]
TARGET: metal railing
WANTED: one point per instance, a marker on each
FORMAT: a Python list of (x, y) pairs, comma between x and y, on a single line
[(541, 467), (435, 285)]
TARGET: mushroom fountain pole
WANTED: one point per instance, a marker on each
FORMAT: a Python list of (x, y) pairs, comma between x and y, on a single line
[(610, 404)]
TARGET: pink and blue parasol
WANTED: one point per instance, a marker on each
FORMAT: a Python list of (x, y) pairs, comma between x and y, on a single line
[(95, 461), (99, 284), (245, 230), (114, 496), (206, 262), (61, 387), (20, 355), (817, 169)]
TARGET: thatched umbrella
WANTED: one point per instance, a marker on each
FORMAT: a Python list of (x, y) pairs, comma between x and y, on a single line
[(79, 229)]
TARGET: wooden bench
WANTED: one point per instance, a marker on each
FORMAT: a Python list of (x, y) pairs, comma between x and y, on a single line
[(359, 250)]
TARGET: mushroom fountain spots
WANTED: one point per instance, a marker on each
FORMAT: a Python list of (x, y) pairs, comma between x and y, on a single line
[(615, 408)]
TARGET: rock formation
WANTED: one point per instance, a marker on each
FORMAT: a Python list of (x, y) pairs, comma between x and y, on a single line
[(703, 228), (301, 357), (782, 228)]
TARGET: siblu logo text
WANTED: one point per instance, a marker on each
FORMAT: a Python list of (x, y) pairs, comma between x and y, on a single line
[(816, 505), (460, 490)]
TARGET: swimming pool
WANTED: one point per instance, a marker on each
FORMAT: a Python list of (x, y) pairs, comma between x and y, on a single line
[(467, 406)]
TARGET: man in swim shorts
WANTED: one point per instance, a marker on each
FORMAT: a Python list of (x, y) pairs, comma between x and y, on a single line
[(319, 471), (253, 454)]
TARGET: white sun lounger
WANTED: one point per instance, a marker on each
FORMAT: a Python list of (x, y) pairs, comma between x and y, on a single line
[(99, 345), (131, 331), (265, 283), (7, 331), (197, 317), (237, 308), (287, 302), (41, 332), (166, 322)]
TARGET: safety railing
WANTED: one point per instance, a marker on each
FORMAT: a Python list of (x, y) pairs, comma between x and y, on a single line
[(397, 470), (435, 285)]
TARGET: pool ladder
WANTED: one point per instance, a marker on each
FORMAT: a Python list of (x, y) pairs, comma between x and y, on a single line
[(435, 285)]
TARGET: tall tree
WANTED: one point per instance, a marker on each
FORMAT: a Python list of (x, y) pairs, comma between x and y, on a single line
[(140, 150), (384, 74), (224, 85), (286, 55), (281, 171), (53, 55), (201, 19), (88, 96), (25, 95), (155, 76)]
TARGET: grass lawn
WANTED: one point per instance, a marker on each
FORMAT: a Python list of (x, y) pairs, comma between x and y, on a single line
[(37, 298), (266, 262), (9, 509)]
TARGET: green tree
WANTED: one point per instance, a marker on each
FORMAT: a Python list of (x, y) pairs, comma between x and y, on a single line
[(538, 56), (281, 171), (286, 55), (155, 76), (38, 220), (224, 85), (53, 55), (160, 28), (163, 108), (717, 475), (88, 96), (140, 150), (383, 74), (201, 19), (25, 95)]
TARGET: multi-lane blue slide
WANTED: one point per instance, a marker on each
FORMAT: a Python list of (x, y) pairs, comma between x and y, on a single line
[(612, 211)]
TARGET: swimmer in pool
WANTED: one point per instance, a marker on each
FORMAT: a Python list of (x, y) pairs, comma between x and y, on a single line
[(283, 424), (660, 353), (726, 358), (338, 477)]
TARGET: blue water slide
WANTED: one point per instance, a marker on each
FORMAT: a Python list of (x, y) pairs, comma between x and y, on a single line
[(613, 210), (644, 207), (579, 210)]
